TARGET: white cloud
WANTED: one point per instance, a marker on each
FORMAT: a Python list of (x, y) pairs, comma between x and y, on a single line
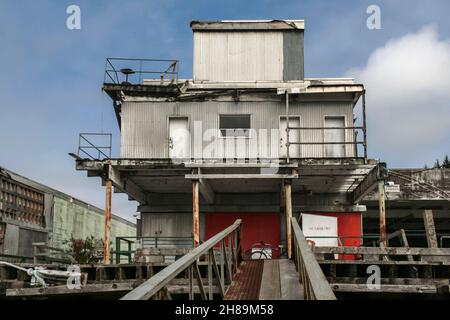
[(408, 98)]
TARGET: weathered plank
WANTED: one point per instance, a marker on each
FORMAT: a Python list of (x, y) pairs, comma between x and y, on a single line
[(393, 251), (270, 283), (291, 289), (430, 229), (384, 288)]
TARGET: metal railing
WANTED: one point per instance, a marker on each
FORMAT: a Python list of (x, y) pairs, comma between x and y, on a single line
[(229, 241), (133, 243), (353, 141), (315, 284), (15, 258), (43, 252), (131, 71), (95, 150)]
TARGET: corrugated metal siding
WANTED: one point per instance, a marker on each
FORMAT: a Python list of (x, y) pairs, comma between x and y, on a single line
[(233, 56), (27, 238), (145, 132), (293, 56), (72, 219), (167, 224), (170, 224), (11, 242)]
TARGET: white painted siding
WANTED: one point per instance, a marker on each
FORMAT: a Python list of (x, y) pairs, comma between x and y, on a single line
[(145, 125), (238, 56)]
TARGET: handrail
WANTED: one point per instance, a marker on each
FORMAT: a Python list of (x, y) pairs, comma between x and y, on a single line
[(89, 147), (315, 284), (141, 242), (189, 262), (119, 70)]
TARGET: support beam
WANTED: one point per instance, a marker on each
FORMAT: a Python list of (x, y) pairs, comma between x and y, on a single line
[(288, 208), (430, 229), (206, 191), (125, 185), (369, 183), (107, 234), (196, 212), (382, 208)]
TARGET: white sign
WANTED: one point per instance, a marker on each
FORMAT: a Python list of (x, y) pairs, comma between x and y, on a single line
[(392, 188), (323, 230)]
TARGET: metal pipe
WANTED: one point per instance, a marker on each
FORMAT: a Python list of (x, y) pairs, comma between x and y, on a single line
[(364, 124), (287, 127)]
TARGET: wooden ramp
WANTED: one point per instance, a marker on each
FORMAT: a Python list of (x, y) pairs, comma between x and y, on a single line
[(280, 281), (266, 280)]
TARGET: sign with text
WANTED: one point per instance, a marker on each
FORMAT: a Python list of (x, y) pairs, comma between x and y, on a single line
[(323, 230)]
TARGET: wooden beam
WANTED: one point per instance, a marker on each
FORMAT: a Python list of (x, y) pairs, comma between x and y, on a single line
[(199, 281), (430, 229), (107, 231), (288, 209), (382, 209), (125, 185), (384, 288), (196, 212), (391, 251), (367, 184)]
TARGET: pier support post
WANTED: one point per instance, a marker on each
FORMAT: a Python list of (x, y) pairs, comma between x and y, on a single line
[(195, 212), (382, 208), (288, 208), (107, 234)]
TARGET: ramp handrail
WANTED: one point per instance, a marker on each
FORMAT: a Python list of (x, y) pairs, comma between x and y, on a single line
[(315, 284), (189, 262)]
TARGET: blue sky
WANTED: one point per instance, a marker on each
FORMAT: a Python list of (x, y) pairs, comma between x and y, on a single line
[(51, 77)]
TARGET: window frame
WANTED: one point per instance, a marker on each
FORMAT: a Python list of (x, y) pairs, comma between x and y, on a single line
[(248, 133)]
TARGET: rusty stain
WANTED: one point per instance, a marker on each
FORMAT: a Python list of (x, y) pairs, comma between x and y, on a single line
[(195, 211), (247, 281)]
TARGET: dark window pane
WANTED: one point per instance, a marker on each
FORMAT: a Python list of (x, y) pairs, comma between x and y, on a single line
[(235, 122)]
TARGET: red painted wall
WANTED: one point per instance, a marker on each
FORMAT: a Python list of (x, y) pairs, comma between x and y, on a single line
[(349, 224), (256, 227)]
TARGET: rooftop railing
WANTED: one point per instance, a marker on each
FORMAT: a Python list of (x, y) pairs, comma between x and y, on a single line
[(95, 146), (126, 71)]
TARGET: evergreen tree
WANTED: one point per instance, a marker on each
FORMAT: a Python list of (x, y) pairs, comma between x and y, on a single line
[(446, 163), (437, 164)]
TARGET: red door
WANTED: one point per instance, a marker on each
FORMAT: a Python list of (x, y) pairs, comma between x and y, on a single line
[(256, 227)]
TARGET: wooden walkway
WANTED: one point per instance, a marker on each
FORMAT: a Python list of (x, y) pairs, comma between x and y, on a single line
[(247, 282), (266, 280)]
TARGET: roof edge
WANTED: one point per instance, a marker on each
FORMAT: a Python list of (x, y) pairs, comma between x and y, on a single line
[(248, 25)]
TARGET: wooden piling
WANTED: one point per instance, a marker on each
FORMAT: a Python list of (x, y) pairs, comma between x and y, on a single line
[(382, 208), (288, 206)]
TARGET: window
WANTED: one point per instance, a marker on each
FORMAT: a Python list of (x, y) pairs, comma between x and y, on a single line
[(235, 125)]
